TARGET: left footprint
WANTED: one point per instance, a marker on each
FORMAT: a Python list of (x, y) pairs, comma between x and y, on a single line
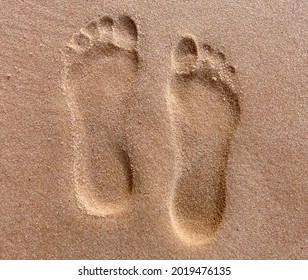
[(101, 65)]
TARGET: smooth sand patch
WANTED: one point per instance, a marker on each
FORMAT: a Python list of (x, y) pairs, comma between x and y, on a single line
[(120, 142)]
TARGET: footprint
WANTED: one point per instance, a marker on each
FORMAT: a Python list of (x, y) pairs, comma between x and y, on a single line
[(205, 112), (100, 73)]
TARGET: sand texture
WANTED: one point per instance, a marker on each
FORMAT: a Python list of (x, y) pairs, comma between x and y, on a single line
[(154, 130)]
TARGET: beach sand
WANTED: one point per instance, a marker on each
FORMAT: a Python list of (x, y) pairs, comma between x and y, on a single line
[(154, 130)]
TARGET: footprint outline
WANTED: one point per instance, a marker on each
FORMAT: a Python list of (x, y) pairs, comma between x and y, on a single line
[(195, 63), (100, 40)]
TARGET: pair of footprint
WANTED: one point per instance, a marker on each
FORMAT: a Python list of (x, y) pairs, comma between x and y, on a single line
[(101, 75)]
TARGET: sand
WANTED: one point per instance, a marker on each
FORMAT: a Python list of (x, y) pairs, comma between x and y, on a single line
[(159, 130)]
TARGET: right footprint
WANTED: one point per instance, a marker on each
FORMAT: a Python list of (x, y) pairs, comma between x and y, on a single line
[(206, 112)]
